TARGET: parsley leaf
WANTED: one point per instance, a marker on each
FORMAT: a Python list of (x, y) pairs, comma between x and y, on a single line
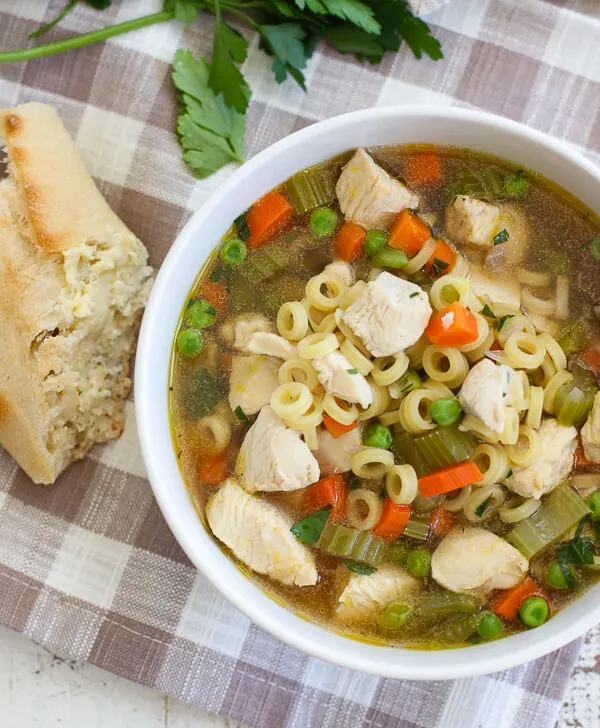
[(240, 414), (509, 474), (501, 237), (487, 311), (568, 574), (354, 481), (504, 319), (359, 568), (579, 550), (229, 48), (309, 529), (414, 295), (285, 43), (439, 266), (241, 224), (354, 11), (184, 10), (210, 133), (215, 276), (352, 371), (481, 509)]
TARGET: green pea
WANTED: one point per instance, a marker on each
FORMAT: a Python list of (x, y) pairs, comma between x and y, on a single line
[(200, 314), (534, 611), (190, 342), (378, 436), (445, 411), (395, 615), (418, 563), (398, 552), (450, 294), (594, 505), (375, 241), (489, 625), (234, 252), (595, 246), (555, 575), (323, 221), (389, 258)]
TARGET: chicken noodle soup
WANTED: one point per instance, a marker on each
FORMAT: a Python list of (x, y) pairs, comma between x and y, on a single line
[(384, 396)]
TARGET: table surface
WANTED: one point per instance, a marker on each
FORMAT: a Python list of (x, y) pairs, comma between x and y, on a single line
[(40, 690)]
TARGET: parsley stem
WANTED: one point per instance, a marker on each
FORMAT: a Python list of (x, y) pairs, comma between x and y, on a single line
[(78, 41)]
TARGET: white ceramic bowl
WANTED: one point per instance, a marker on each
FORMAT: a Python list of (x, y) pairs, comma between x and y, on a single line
[(268, 169)]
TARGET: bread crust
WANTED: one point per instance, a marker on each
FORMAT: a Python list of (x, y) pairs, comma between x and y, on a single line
[(73, 283)]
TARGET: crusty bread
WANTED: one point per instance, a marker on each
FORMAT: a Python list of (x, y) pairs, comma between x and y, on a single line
[(73, 283)]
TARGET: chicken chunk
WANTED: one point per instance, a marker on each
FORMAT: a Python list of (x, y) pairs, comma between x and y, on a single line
[(369, 196), (252, 382), (472, 222), (495, 290), (390, 315), (554, 464), (476, 560), (334, 454), (274, 457), (246, 326), (486, 392), (338, 377), (342, 270), (590, 433), (262, 342), (366, 594), (259, 535)]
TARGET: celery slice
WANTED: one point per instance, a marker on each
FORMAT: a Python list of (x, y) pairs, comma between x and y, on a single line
[(456, 631), (417, 529), (265, 263), (404, 448), (559, 512), (445, 446), (350, 543), (311, 188), (573, 404)]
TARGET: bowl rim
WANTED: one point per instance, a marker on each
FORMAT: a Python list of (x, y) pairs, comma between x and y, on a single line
[(311, 638)]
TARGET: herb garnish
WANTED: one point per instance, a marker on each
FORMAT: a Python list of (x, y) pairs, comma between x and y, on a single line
[(504, 319), (215, 276), (487, 311), (481, 509), (352, 371), (439, 266), (215, 95), (309, 529), (414, 295), (502, 237), (240, 414), (354, 481), (359, 568), (579, 550)]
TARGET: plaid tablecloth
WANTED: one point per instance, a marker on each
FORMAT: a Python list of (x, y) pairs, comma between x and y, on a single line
[(88, 567)]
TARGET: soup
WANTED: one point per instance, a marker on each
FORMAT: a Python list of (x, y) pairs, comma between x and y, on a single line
[(384, 396)]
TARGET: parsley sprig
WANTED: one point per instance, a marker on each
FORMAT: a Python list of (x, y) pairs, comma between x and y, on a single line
[(215, 95)]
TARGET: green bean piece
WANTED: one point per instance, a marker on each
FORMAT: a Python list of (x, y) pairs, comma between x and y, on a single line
[(534, 611), (234, 252), (378, 435), (190, 342), (489, 625), (560, 511), (200, 314), (389, 258), (323, 222), (444, 604), (418, 563), (445, 411), (559, 575), (375, 241), (394, 616), (594, 505)]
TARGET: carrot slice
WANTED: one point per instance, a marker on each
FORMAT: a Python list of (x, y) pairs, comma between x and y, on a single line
[(447, 479), (393, 520), (335, 428), (454, 325), (592, 358), (408, 233), (441, 521), (423, 168), (266, 216), (442, 259), (329, 491), (214, 293), (349, 241), (212, 469), (507, 602)]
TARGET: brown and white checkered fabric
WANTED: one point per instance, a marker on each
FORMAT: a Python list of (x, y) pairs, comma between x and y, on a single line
[(88, 567)]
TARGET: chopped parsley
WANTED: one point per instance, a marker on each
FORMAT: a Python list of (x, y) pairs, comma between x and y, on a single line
[(352, 371), (359, 568), (439, 266), (510, 473), (504, 319), (487, 311), (240, 414), (309, 529), (502, 237), (481, 509), (414, 295)]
